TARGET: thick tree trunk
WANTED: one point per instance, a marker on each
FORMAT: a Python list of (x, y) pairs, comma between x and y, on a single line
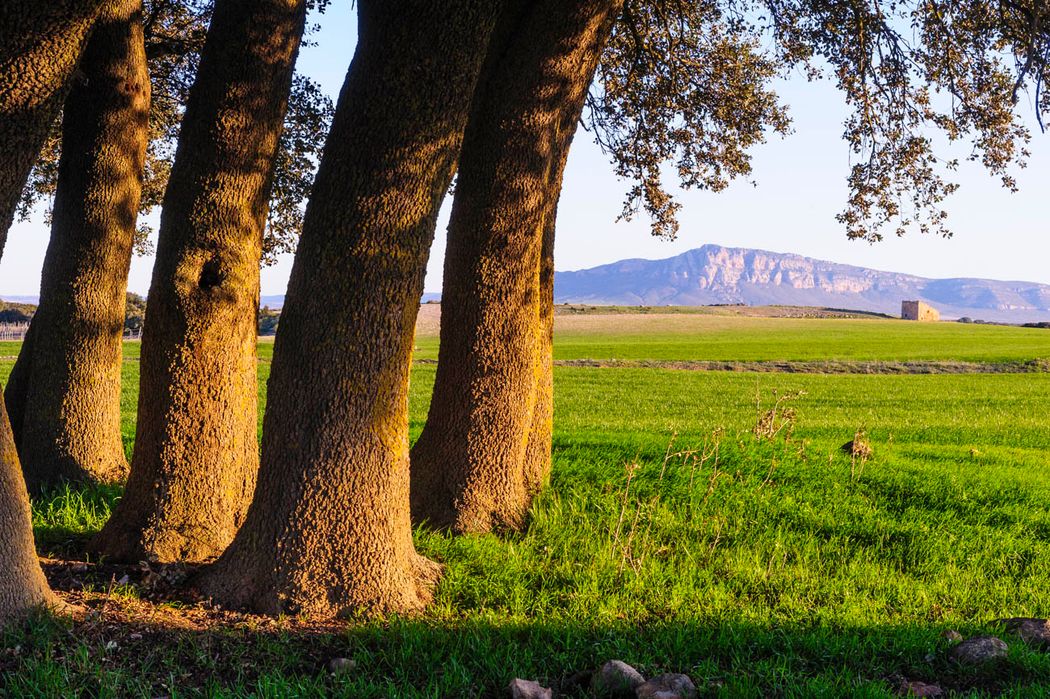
[(329, 531), (64, 392), (481, 455), (196, 449), (22, 585), (40, 44)]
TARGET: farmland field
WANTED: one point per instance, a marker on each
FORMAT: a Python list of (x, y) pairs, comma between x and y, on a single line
[(762, 562)]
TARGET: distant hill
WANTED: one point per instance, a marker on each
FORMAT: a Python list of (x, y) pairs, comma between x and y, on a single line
[(277, 301), (15, 312), (28, 300), (713, 274), (272, 302)]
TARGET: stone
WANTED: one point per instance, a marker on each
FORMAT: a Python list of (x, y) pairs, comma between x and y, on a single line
[(979, 650), (915, 688), (527, 689), (616, 679), (671, 686), (338, 666), (1034, 632)]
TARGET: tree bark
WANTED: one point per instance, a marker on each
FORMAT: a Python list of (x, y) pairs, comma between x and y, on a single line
[(485, 448), (40, 44), (538, 451), (63, 396), (22, 585), (329, 530), (196, 447)]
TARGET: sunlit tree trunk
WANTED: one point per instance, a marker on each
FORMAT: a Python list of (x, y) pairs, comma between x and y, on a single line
[(40, 44), (485, 448), (196, 450), (329, 531), (64, 392), (537, 466)]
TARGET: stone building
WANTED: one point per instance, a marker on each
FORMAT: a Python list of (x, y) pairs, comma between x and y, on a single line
[(917, 310)]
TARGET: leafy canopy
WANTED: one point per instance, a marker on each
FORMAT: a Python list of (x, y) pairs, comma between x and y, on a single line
[(688, 84), (174, 32)]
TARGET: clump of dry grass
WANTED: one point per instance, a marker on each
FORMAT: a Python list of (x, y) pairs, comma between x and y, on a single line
[(860, 450), (780, 418)]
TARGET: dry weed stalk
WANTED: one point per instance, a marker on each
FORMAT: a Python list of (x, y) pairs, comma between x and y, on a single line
[(634, 541), (859, 450), (630, 469), (779, 418)]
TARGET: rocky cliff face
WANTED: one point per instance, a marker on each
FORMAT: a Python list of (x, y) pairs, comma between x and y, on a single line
[(714, 274)]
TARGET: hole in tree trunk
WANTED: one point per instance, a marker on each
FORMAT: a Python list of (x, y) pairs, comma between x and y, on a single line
[(211, 275)]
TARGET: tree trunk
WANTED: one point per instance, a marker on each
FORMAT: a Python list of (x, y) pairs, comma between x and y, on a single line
[(196, 447), (64, 392), (538, 451), (329, 531), (40, 44), (22, 585), (476, 467)]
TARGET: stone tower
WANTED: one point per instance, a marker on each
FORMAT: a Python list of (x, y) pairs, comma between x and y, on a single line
[(917, 310)]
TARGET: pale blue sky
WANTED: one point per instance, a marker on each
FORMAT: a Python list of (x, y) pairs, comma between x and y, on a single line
[(801, 186)]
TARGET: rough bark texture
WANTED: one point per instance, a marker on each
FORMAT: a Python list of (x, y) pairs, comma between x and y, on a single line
[(538, 452), (481, 455), (40, 44), (22, 585), (196, 450), (329, 530), (63, 396)]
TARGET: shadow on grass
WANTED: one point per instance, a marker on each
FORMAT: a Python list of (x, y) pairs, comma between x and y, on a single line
[(127, 646)]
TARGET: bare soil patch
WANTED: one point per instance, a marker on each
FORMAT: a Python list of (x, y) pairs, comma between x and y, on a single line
[(1032, 366)]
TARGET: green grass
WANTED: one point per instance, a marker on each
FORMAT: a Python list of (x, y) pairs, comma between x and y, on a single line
[(787, 570), (685, 337)]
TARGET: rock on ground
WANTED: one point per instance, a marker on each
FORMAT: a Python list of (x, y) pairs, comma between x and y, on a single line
[(1034, 632), (338, 666), (616, 679), (672, 686), (979, 649), (527, 689)]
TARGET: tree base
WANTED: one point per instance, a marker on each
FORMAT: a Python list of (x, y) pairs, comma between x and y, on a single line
[(123, 542), (232, 586)]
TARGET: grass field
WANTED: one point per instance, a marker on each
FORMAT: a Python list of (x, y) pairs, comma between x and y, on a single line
[(761, 566), (689, 336)]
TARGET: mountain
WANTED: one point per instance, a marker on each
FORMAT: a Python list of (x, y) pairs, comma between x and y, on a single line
[(713, 274), (273, 302), (277, 302), (32, 300)]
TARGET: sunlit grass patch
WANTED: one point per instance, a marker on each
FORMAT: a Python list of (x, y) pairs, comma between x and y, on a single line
[(66, 517)]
